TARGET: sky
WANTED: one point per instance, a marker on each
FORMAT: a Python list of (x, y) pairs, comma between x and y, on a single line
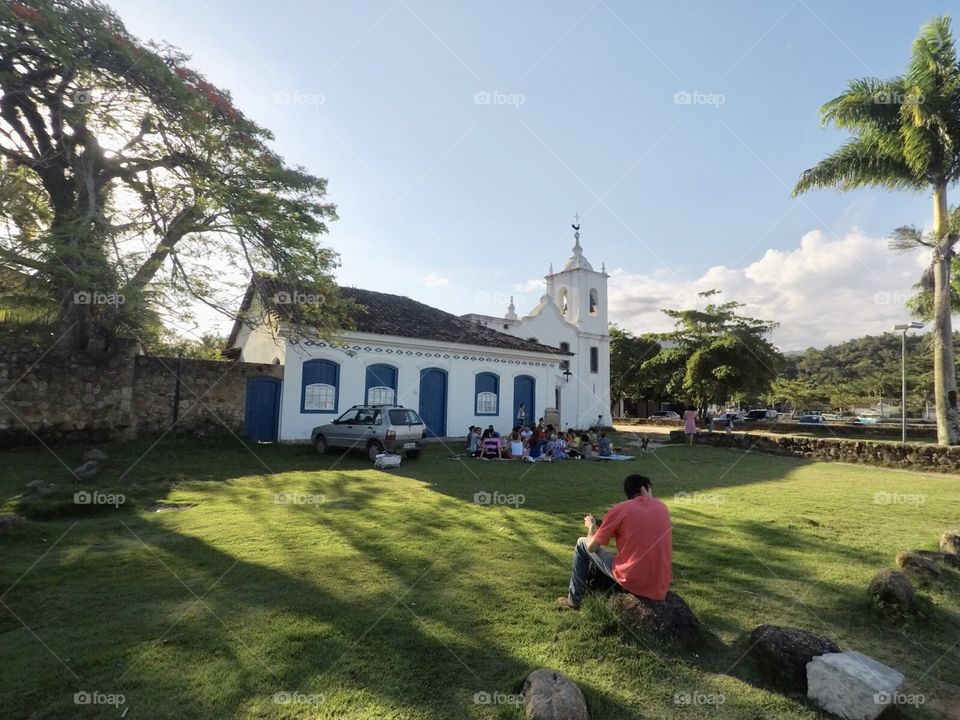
[(460, 139)]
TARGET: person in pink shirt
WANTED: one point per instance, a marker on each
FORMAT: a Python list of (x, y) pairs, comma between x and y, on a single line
[(642, 564)]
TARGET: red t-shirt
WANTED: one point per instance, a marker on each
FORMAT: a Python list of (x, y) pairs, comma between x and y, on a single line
[(644, 545)]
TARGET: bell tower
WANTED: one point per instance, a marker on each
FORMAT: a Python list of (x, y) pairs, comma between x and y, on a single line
[(580, 291)]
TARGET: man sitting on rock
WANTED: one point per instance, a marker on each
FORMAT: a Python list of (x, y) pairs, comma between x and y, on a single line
[(642, 564)]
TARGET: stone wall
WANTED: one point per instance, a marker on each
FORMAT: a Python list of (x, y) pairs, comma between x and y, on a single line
[(60, 397), (211, 400), (910, 456)]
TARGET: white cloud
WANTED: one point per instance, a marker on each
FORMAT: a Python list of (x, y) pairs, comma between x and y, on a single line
[(822, 292), (434, 280)]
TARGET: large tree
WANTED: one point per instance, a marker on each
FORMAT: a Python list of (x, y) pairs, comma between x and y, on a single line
[(714, 354), (132, 186), (906, 136), (627, 354)]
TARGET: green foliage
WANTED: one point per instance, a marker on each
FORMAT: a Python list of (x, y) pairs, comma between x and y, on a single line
[(713, 354), (627, 355), (133, 175), (862, 371)]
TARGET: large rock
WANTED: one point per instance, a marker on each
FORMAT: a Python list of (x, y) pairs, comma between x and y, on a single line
[(893, 589), (551, 695), (9, 522), (920, 567), (783, 654), (950, 543), (95, 454), (852, 685), (943, 558), (86, 472), (669, 621)]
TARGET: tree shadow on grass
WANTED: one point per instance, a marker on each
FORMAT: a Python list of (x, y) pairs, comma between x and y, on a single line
[(318, 628)]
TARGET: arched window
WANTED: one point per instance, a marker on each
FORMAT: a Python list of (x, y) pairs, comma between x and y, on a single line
[(381, 385), (565, 364), (563, 301), (594, 302), (487, 394), (321, 387)]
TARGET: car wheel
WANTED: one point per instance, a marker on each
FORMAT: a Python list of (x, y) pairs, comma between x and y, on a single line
[(320, 444), (374, 449), (413, 454)]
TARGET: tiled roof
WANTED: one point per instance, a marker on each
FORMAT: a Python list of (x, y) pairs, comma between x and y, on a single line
[(387, 314), (399, 316)]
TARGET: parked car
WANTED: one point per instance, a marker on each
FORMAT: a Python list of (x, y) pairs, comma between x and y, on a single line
[(664, 415), (760, 415), (375, 429), (811, 420)]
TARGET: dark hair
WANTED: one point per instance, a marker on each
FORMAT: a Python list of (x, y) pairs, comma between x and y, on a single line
[(633, 484), (690, 407)]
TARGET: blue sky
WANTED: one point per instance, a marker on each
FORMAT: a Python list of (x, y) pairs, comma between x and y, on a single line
[(452, 201)]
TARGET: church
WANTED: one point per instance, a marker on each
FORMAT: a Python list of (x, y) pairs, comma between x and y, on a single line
[(456, 371)]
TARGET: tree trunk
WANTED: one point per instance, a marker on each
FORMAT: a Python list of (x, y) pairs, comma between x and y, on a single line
[(944, 371)]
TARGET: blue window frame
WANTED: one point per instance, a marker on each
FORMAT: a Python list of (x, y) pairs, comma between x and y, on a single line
[(487, 394), (381, 385), (320, 388)]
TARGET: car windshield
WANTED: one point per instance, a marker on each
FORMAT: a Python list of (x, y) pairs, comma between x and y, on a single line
[(348, 417), (404, 417), (758, 414)]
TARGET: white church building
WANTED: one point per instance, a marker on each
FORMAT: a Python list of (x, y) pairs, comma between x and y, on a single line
[(456, 371)]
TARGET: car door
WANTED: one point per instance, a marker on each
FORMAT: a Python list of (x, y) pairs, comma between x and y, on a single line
[(341, 430), (363, 427)]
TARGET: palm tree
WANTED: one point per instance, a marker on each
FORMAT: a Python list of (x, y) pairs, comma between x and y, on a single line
[(906, 136)]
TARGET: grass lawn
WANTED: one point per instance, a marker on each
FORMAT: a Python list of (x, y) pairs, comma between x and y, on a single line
[(394, 595)]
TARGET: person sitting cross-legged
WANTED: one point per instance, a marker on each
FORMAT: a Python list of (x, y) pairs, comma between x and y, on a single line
[(642, 564)]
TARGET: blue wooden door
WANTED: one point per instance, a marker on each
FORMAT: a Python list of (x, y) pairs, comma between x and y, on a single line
[(262, 409), (433, 401), (525, 391)]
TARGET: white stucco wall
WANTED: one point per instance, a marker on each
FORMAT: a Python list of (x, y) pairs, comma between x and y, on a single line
[(410, 356)]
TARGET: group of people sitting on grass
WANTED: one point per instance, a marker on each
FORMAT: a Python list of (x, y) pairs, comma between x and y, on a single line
[(536, 444)]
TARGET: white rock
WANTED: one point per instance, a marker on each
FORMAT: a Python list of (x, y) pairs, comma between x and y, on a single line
[(851, 685)]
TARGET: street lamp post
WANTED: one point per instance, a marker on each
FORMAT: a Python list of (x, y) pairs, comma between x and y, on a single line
[(902, 329)]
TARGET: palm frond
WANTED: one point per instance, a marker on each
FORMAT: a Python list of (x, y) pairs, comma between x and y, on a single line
[(856, 164), (867, 103), (907, 238)]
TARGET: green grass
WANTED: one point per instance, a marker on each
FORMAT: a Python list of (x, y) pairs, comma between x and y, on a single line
[(399, 597)]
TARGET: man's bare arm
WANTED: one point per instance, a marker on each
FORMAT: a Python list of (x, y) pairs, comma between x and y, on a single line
[(591, 524)]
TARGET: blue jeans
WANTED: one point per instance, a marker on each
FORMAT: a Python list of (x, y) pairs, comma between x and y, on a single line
[(580, 581)]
